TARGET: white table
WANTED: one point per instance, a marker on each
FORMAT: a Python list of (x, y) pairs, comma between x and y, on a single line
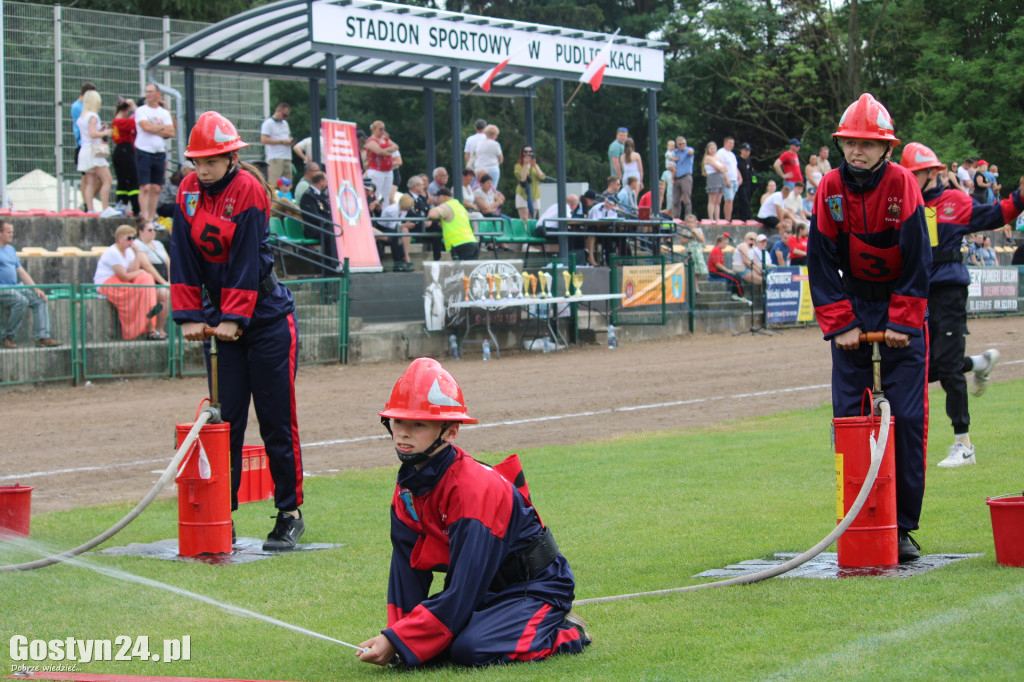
[(491, 304)]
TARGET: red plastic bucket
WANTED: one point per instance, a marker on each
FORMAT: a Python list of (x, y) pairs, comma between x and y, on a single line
[(15, 509), (1008, 528)]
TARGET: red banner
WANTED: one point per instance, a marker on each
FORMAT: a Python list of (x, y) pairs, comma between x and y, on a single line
[(348, 200)]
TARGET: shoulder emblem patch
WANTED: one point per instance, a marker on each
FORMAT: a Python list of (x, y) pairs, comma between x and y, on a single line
[(894, 210), (191, 202), (835, 207)]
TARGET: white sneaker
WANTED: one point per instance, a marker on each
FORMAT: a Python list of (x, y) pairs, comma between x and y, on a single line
[(741, 299), (110, 212), (979, 382), (959, 455)]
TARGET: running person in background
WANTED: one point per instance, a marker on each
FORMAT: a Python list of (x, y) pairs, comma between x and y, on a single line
[(219, 243), (951, 214), (868, 262), (507, 590)]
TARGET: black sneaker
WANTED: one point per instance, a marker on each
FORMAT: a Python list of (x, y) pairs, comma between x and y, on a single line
[(573, 619), (909, 550), (287, 531)]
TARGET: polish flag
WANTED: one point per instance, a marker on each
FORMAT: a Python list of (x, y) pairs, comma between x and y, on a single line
[(594, 72), (485, 80)]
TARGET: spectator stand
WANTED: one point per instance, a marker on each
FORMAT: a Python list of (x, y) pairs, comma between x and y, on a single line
[(632, 236)]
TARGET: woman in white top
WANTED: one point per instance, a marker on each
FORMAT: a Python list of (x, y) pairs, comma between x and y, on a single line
[(487, 154), (137, 306), (630, 162), (812, 174), (94, 167), (714, 170)]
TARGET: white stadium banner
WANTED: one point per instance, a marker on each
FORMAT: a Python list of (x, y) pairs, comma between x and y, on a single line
[(390, 34)]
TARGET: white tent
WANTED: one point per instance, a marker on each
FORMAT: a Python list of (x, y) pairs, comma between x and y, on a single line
[(38, 189)]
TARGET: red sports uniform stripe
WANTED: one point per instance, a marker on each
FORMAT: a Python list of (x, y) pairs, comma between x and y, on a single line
[(186, 297), (423, 633), (907, 310), (239, 302), (293, 354)]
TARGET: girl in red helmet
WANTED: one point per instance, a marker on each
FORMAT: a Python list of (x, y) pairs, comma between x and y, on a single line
[(222, 274), (868, 261), (507, 589)]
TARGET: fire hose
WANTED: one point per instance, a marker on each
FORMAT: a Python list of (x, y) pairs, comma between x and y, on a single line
[(207, 414), (881, 409)]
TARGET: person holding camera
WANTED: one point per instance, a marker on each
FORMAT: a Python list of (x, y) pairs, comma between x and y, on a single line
[(528, 175)]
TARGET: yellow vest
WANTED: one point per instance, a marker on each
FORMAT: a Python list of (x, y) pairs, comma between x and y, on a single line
[(458, 230)]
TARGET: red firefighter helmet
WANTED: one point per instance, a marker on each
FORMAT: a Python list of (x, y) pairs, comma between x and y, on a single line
[(866, 119), (917, 157), (213, 135), (427, 392)]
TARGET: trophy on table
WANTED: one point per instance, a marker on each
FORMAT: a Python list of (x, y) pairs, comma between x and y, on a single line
[(490, 285), (547, 283), (465, 288), (497, 286), (577, 281), (567, 276), (530, 284)]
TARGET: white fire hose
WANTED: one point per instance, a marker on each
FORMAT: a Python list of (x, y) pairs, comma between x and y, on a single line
[(207, 414), (877, 450)]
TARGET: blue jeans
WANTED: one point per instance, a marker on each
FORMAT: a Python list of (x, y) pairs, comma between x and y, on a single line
[(18, 299)]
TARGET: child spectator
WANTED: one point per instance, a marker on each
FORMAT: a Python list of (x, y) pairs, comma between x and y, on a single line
[(507, 590)]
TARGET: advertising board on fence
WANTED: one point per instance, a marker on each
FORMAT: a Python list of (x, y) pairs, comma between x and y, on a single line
[(643, 284), (788, 296), (992, 290)]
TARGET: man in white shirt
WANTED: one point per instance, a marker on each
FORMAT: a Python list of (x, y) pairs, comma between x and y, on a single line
[(966, 177), (773, 209), (823, 160), (304, 149), (473, 139), (153, 127), (276, 138), (548, 220), (732, 173)]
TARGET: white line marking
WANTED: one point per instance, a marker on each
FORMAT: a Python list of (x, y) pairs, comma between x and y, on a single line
[(54, 472), (592, 413)]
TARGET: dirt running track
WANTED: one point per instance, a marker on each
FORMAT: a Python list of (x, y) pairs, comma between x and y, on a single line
[(101, 443)]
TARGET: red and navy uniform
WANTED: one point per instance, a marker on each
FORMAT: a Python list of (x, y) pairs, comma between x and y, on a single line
[(219, 243), (952, 214), (868, 264), (460, 517)]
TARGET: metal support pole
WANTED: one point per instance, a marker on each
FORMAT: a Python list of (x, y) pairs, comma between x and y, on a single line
[(428, 122), (653, 168), (529, 119), (332, 87), (58, 98), (314, 120), (563, 241), (456, 122), (190, 100)]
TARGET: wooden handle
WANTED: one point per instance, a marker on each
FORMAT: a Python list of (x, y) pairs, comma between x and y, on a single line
[(872, 337), (210, 332)]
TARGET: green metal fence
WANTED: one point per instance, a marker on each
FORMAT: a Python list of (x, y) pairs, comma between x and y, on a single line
[(91, 332)]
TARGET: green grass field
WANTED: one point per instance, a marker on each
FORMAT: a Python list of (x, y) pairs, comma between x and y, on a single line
[(632, 514)]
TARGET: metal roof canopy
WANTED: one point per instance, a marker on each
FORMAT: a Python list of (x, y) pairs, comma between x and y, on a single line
[(362, 42)]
